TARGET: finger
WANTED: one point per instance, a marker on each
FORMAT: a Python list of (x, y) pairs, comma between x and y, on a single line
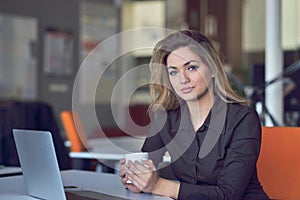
[(150, 164), (124, 180), (122, 161), (121, 167), (136, 180), (127, 170), (122, 173), (136, 167), (138, 177), (132, 187), (142, 168)]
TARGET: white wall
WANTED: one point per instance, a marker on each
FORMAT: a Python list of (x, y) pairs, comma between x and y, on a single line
[(253, 25), (290, 24)]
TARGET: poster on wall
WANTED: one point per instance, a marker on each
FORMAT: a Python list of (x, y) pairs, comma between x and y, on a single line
[(58, 53), (98, 22), (18, 60)]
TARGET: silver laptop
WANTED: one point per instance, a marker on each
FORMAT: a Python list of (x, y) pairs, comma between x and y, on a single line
[(41, 172), (39, 165)]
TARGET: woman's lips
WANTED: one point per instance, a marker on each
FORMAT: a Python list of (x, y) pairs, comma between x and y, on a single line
[(187, 90)]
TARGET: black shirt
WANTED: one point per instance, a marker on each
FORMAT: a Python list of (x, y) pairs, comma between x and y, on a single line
[(218, 161)]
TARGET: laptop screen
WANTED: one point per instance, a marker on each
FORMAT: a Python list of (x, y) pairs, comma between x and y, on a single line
[(39, 164)]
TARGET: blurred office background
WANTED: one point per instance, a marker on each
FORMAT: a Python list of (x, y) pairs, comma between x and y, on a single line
[(43, 44)]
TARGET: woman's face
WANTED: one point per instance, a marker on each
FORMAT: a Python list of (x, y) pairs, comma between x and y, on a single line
[(189, 76)]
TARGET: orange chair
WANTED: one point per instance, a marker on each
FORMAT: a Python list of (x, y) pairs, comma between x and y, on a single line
[(279, 162), (74, 131)]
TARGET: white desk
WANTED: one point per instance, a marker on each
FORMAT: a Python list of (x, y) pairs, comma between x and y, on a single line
[(13, 188), (110, 148)]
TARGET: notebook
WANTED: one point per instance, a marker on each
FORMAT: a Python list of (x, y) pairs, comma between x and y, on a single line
[(40, 169)]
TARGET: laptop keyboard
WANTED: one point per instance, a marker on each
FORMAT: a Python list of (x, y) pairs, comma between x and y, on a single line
[(89, 195)]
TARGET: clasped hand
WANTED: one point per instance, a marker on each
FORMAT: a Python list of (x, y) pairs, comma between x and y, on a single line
[(142, 175)]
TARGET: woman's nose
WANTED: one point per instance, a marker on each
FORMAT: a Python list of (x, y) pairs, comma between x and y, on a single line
[(184, 78)]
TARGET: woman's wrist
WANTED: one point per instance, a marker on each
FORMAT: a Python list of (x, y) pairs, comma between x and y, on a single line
[(167, 188), (157, 187)]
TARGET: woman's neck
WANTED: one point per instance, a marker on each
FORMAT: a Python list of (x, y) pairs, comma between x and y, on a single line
[(199, 110)]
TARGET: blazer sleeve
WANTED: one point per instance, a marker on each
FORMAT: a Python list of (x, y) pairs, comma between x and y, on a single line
[(154, 143)]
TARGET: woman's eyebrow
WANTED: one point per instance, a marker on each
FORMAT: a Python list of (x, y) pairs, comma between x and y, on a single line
[(171, 67), (185, 64), (189, 62)]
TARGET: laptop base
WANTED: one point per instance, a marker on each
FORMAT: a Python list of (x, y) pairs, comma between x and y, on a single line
[(89, 195)]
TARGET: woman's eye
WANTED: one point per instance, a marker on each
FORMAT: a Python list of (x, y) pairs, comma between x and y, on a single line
[(192, 68), (172, 73)]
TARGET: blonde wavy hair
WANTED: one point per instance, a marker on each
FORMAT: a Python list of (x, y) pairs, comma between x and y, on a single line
[(160, 87)]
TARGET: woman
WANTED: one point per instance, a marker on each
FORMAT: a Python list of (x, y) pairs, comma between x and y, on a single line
[(212, 136)]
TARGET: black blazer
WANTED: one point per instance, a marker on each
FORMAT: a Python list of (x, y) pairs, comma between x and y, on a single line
[(217, 161)]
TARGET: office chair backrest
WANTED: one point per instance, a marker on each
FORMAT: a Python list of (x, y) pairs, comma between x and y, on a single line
[(279, 162), (74, 131)]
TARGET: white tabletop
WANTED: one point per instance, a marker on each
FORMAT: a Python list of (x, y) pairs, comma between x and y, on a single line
[(13, 188), (8, 171), (110, 148)]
